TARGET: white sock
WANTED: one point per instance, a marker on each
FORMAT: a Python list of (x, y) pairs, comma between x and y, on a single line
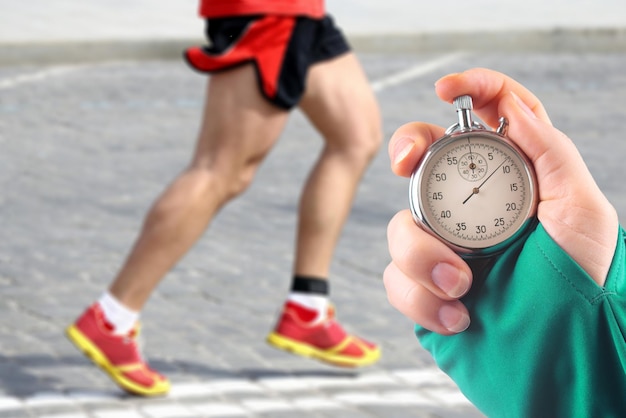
[(118, 315), (313, 301)]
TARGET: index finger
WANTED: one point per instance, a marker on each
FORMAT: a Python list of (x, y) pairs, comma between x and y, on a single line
[(487, 89)]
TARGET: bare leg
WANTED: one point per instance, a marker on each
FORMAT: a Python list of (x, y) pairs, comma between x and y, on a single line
[(341, 105), (238, 130)]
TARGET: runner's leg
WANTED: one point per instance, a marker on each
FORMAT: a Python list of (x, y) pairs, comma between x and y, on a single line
[(239, 128), (341, 105)]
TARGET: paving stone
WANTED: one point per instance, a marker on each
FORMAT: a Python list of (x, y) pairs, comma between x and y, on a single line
[(79, 169)]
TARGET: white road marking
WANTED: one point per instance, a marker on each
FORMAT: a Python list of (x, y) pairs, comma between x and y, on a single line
[(116, 413), (36, 76), (416, 71), (54, 71), (427, 387), (9, 402), (379, 85)]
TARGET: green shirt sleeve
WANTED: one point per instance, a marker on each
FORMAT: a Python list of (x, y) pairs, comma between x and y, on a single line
[(545, 339)]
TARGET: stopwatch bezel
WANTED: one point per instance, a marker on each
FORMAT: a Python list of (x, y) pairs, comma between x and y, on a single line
[(419, 211)]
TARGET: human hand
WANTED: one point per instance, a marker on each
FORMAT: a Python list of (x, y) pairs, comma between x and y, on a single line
[(426, 278)]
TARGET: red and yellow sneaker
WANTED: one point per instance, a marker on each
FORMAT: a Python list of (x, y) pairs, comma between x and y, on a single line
[(297, 331), (118, 356)]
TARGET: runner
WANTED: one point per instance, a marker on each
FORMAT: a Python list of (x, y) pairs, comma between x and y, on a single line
[(265, 57)]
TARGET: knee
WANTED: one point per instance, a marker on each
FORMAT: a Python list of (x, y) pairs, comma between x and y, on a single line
[(368, 133), (363, 145), (239, 181), (191, 189), (198, 190), (222, 182), (374, 141)]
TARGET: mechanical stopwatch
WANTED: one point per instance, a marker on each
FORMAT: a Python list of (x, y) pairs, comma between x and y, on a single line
[(474, 188)]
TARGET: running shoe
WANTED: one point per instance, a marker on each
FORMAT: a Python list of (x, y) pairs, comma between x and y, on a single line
[(299, 332), (119, 356)]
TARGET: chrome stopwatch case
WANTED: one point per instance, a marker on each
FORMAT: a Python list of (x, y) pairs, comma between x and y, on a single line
[(474, 189)]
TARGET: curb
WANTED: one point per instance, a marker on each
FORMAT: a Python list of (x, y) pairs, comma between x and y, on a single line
[(555, 40)]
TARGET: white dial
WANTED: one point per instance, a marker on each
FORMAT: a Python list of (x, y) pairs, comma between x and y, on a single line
[(475, 190)]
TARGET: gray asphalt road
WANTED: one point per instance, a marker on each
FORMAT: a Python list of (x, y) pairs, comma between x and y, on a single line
[(85, 149)]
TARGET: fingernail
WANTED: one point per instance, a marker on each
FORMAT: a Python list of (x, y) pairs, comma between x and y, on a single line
[(451, 280), (523, 106), (453, 319), (402, 148)]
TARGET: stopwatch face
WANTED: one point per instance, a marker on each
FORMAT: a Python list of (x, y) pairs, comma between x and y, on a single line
[(474, 190)]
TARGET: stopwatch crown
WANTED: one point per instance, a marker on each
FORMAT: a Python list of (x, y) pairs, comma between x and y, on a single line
[(464, 108), (463, 103)]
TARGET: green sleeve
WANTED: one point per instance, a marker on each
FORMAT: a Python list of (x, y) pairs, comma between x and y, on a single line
[(545, 339)]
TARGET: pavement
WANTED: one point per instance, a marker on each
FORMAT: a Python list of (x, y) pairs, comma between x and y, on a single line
[(94, 121)]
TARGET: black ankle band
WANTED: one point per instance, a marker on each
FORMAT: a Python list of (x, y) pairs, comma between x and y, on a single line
[(306, 284)]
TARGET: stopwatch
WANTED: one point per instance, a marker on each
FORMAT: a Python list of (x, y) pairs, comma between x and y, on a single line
[(474, 189)]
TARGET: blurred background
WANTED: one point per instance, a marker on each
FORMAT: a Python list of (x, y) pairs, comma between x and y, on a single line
[(98, 111)]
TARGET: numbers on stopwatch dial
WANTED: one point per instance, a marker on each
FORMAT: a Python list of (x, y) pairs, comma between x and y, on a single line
[(472, 166), (477, 192)]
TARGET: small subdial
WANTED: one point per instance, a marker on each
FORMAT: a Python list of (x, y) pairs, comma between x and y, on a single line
[(472, 166)]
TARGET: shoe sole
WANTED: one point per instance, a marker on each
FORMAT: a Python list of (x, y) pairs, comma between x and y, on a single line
[(307, 350), (99, 359)]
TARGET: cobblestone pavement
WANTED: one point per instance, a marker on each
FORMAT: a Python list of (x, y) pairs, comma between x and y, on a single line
[(86, 148)]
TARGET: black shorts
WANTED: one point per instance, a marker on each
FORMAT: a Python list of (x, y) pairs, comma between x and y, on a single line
[(282, 49)]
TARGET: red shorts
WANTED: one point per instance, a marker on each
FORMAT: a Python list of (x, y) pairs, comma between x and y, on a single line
[(282, 48)]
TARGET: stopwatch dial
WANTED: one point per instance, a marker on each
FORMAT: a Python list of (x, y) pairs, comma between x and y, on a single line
[(476, 191), (472, 166)]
